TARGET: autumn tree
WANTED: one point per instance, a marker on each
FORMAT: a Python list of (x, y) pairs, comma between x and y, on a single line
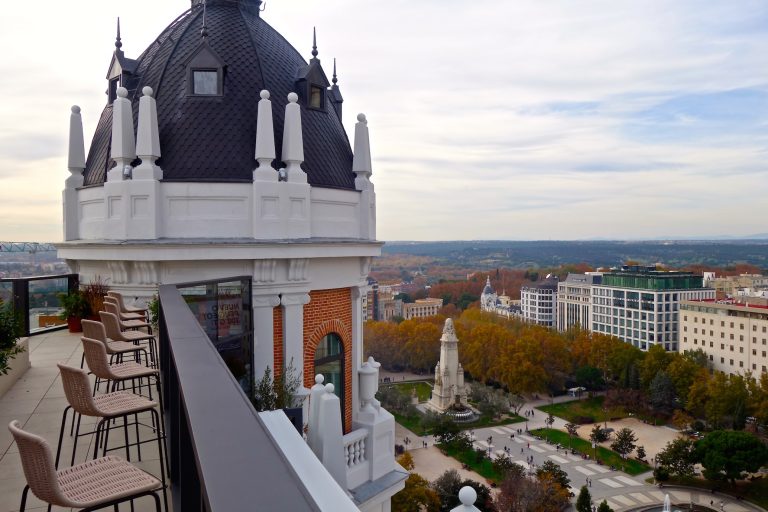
[(727, 454), (624, 442), (677, 456), (417, 496), (554, 471)]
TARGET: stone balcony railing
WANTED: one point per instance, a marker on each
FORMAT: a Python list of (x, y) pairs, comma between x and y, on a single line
[(358, 465)]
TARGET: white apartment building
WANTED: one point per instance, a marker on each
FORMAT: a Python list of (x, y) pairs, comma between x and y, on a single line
[(734, 335), (574, 300), (422, 308), (538, 302), (640, 304)]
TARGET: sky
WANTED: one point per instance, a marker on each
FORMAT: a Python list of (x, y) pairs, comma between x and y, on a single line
[(489, 119)]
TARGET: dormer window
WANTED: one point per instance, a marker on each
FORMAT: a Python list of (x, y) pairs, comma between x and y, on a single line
[(316, 97), (205, 73), (205, 82), (114, 83)]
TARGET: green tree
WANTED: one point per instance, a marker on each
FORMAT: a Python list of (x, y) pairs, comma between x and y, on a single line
[(624, 442), (727, 454), (417, 496), (589, 377), (502, 464), (662, 392), (11, 329), (572, 429), (604, 507), (555, 473), (598, 434), (640, 451), (584, 501), (678, 457), (655, 360)]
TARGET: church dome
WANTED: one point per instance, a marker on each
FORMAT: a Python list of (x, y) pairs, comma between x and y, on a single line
[(488, 290), (226, 39)]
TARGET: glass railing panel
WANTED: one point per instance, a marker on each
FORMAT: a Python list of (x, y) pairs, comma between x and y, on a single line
[(44, 303)]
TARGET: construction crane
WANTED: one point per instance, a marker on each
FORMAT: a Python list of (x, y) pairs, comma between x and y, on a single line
[(30, 247)]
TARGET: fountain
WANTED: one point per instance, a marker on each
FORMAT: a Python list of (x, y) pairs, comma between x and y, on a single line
[(667, 507), (667, 504)]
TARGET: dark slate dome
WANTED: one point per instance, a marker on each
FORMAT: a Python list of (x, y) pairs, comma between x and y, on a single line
[(212, 138)]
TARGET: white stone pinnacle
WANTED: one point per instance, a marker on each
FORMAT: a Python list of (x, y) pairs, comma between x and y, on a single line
[(361, 161), (265, 140), (148, 138), (123, 138), (293, 141), (76, 155)]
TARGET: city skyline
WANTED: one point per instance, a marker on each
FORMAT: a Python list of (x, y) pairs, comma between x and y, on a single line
[(488, 120)]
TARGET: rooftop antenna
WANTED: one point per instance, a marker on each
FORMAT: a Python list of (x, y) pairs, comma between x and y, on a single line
[(204, 30)]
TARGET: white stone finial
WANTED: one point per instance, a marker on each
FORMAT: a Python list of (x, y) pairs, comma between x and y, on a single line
[(265, 140), (467, 495), (319, 378), (293, 141), (148, 138), (329, 388), (123, 138), (76, 155), (361, 161), (449, 332)]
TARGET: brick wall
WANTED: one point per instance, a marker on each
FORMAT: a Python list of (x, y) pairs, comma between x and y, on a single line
[(277, 328), (329, 311)]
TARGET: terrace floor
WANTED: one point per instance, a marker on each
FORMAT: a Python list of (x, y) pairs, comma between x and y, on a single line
[(37, 402)]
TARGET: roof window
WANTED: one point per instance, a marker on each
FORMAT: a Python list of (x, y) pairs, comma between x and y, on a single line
[(205, 72)]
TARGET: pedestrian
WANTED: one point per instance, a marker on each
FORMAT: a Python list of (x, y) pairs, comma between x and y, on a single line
[(529, 445), (521, 449)]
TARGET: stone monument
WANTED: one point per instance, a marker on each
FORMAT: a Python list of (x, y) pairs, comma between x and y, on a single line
[(449, 391)]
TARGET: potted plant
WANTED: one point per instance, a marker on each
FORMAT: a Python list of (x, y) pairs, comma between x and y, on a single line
[(94, 293), (76, 308), (11, 329)]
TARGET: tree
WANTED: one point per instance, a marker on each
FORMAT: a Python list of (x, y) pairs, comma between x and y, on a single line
[(604, 507), (661, 474), (589, 377), (572, 429), (502, 464), (662, 392), (417, 496), (682, 420), (727, 454), (549, 420), (406, 460), (556, 474), (678, 457), (447, 488), (624, 442), (584, 501), (656, 359), (598, 434), (640, 451)]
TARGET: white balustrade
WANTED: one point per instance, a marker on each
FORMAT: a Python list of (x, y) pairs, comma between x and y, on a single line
[(354, 447)]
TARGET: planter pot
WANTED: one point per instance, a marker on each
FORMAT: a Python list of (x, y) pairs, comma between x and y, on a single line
[(74, 324), (19, 365)]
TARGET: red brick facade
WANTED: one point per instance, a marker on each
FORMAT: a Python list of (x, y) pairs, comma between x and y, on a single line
[(277, 329), (329, 311)]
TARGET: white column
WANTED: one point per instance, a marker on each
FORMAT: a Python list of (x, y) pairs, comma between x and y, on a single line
[(148, 139), (76, 165), (293, 141), (263, 332), (265, 141), (361, 166), (123, 145), (357, 345), (293, 329)]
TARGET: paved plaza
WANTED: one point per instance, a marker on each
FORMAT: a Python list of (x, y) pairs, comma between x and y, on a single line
[(621, 491)]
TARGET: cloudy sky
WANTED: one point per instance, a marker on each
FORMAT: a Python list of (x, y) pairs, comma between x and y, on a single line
[(490, 119)]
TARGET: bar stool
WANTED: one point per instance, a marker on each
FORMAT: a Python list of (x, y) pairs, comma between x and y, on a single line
[(124, 315), (107, 407), (93, 485), (112, 327), (126, 325), (116, 349), (124, 307)]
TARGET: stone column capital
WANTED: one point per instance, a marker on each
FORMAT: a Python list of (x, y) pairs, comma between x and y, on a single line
[(266, 301), (294, 299)]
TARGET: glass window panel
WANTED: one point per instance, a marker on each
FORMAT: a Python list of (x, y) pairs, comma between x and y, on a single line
[(316, 97), (206, 82)]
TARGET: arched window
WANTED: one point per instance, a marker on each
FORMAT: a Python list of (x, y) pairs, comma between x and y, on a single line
[(329, 361)]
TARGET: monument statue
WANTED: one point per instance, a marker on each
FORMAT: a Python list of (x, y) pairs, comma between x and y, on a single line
[(449, 390)]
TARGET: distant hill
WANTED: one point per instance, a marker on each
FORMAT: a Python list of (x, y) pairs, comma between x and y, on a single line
[(597, 253)]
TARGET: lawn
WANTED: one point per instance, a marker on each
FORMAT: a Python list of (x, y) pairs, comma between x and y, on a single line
[(469, 457), (606, 456), (413, 423), (755, 491), (423, 389), (589, 410)]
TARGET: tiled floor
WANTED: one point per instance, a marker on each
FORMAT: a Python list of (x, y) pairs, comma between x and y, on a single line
[(37, 402)]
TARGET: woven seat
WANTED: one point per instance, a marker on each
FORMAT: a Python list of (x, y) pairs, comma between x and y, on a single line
[(114, 332), (123, 307), (96, 331), (92, 485), (124, 315), (125, 324)]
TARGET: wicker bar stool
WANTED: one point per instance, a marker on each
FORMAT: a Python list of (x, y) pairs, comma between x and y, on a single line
[(124, 307), (112, 327), (116, 349), (126, 325), (123, 314), (94, 485), (107, 407)]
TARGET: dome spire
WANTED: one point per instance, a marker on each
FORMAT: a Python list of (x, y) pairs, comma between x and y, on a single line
[(314, 43), (118, 41), (204, 29), (334, 80)]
